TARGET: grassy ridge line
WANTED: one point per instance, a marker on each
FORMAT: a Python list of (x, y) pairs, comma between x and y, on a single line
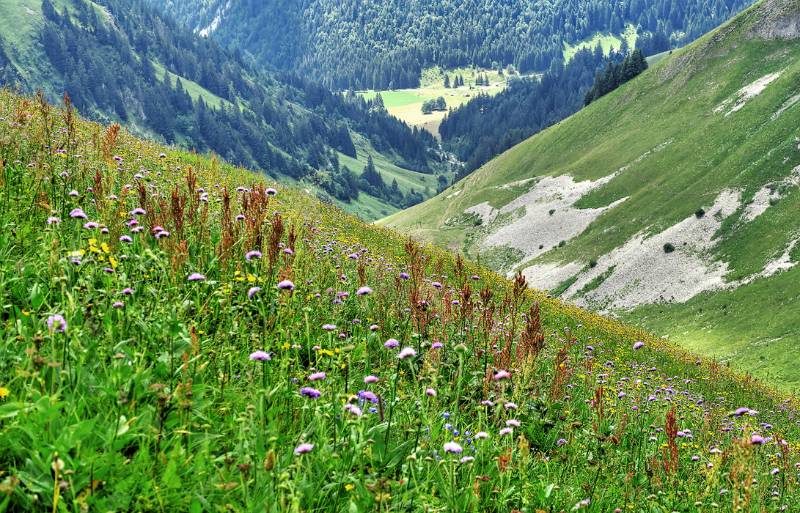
[(156, 400), (674, 155)]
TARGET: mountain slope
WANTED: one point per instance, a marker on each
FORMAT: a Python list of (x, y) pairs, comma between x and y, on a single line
[(120, 60), (179, 336), (672, 201), (378, 44)]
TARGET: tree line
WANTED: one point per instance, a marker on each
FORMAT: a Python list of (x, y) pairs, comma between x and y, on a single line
[(616, 74), (385, 44)]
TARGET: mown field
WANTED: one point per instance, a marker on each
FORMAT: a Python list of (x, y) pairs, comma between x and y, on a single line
[(180, 335)]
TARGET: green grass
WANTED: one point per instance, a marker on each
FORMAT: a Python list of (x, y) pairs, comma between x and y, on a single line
[(424, 183), (369, 207), (677, 155), (162, 393), (606, 41), (22, 20), (195, 90), (729, 325)]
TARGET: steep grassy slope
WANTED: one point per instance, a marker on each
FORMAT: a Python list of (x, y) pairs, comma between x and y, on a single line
[(677, 186), (176, 336)]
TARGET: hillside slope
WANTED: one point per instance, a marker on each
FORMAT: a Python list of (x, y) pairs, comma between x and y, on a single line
[(179, 336), (122, 61), (672, 201)]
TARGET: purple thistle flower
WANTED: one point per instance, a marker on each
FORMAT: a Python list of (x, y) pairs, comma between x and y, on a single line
[(311, 393), (303, 449), (127, 291), (196, 277), (430, 392), (91, 225), (506, 431), (370, 379), (271, 192), (481, 435), (392, 343), (452, 448), (53, 220), (560, 442), (57, 324), (405, 276), (437, 345), (260, 356), (352, 408), (757, 440), (138, 211), (502, 374), (363, 291), (366, 395), (407, 352), (250, 255), (286, 285), (638, 345), (317, 376), (126, 239), (466, 459), (252, 292), (436, 285), (512, 423), (118, 304), (328, 327), (743, 411)]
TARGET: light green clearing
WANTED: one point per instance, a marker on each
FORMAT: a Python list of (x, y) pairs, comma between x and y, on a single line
[(194, 89), (607, 41)]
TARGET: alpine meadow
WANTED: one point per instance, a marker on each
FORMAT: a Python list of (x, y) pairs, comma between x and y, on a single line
[(400, 256)]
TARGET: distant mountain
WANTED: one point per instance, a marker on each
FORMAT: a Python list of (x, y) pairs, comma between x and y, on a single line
[(380, 44), (673, 201), (121, 60)]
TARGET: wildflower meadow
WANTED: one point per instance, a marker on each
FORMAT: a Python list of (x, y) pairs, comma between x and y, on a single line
[(182, 335)]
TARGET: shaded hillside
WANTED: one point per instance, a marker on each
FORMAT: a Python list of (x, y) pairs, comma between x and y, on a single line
[(120, 60)]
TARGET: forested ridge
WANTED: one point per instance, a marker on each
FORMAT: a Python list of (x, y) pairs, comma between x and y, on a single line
[(126, 62), (385, 44)]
